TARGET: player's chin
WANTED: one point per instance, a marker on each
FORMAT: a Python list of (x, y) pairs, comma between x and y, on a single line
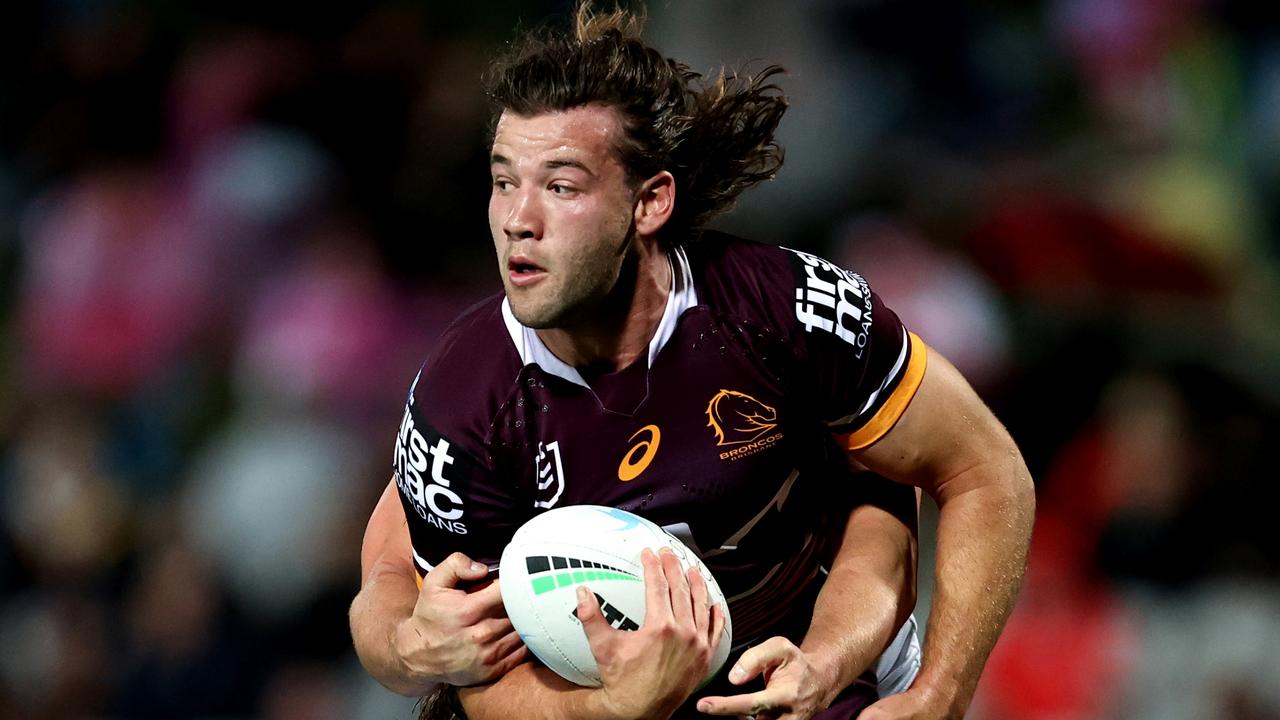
[(529, 311)]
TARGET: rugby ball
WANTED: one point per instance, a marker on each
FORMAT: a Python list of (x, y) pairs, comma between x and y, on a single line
[(558, 550)]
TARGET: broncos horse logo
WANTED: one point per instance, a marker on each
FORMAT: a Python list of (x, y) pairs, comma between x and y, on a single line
[(739, 418)]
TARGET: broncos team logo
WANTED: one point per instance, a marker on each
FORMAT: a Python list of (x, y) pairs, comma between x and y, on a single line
[(739, 418)]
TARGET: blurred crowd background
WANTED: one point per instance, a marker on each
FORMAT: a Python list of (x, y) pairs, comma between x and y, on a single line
[(229, 233)]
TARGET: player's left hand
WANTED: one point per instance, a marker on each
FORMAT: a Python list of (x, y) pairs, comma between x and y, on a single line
[(648, 673), (913, 704), (795, 689)]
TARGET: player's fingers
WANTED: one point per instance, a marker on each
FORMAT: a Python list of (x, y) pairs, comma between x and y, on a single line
[(754, 703), (503, 646), (678, 584), (514, 658), (455, 568), (483, 603), (657, 597), (502, 658), (593, 622), (768, 654), (491, 630), (717, 625), (698, 596)]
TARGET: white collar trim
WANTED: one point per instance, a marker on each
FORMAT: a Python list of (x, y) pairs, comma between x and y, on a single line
[(681, 297)]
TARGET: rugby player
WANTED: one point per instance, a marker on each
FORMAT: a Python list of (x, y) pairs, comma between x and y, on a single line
[(729, 391)]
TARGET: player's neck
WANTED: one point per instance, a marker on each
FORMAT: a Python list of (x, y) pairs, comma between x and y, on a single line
[(620, 328)]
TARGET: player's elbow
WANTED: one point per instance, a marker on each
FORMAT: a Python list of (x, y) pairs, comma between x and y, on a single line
[(995, 477), (360, 619), (1017, 478), (1001, 468), (1013, 489)]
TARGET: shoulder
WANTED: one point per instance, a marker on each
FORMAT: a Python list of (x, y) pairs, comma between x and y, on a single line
[(775, 285), (468, 373), (476, 340), (722, 263), (740, 277)]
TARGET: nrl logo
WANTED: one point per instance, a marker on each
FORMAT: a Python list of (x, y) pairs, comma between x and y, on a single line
[(738, 418), (550, 474)]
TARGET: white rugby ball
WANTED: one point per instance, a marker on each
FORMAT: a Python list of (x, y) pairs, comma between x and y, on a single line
[(553, 553)]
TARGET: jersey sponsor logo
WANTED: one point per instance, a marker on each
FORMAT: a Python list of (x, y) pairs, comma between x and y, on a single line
[(428, 473), (742, 423), (641, 454), (549, 472), (832, 299)]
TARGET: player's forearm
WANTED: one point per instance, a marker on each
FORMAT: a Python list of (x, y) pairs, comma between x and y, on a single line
[(983, 534), (532, 691), (851, 627), (868, 594), (383, 603)]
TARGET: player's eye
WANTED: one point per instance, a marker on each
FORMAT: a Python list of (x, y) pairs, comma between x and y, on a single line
[(562, 190), (502, 184)]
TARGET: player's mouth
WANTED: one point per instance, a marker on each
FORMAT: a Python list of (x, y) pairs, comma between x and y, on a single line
[(523, 271)]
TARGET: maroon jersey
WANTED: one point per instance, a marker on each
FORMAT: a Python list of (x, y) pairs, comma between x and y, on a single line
[(767, 366)]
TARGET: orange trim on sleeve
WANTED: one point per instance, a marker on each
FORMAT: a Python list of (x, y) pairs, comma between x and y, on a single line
[(887, 416), (417, 578)]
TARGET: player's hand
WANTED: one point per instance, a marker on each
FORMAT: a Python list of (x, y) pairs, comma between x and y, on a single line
[(454, 636), (649, 672), (794, 688), (913, 704)]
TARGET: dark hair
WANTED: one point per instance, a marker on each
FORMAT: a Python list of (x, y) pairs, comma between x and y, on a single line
[(441, 703), (715, 136)]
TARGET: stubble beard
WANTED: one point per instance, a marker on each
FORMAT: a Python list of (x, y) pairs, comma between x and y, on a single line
[(583, 297)]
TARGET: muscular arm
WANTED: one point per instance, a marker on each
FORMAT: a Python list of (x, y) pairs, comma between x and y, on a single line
[(869, 592), (534, 692), (388, 592), (646, 673), (948, 443), (408, 638)]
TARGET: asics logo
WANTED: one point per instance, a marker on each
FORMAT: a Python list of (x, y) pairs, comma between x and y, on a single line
[(641, 454)]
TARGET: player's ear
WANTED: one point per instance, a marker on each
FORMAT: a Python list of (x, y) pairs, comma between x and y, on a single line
[(655, 202)]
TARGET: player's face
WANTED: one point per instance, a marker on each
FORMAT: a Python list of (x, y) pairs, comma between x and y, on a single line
[(561, 212)]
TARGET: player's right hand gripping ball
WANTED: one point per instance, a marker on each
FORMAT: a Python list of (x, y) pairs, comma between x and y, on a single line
[(550, 555)]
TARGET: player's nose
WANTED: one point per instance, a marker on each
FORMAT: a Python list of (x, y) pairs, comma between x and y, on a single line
[(524, 218)]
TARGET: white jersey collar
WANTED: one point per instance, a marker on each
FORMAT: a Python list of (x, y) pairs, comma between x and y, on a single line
[(533, 351)]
